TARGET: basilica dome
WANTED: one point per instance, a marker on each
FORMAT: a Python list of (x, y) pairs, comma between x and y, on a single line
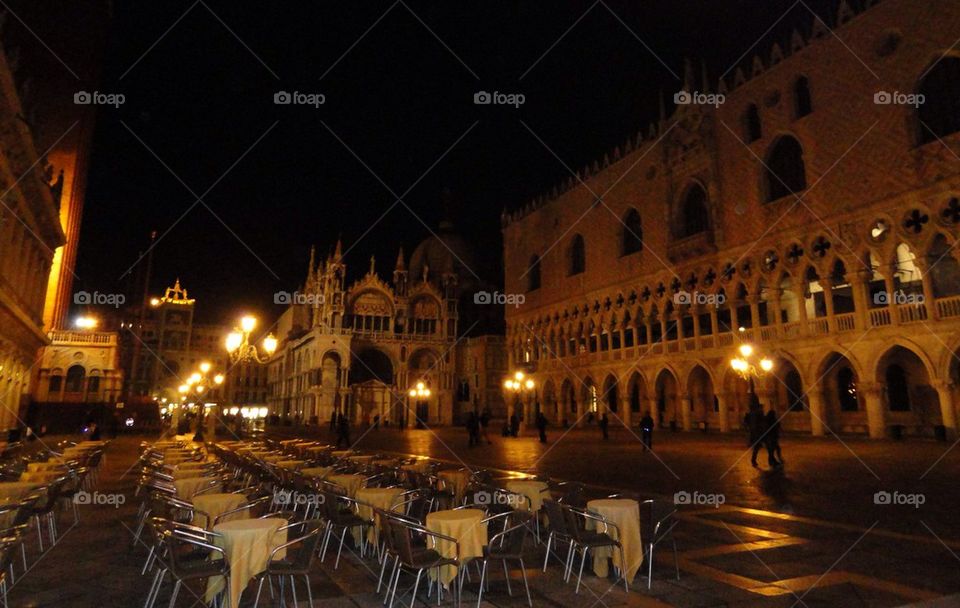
[(445, 252)]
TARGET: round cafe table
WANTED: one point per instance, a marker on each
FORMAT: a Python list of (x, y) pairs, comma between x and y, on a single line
[(341, 453), (361, 459), (188, 486), (380, 498), (46, 466), (350, 483), (420, 466), (289, 464), (457, 480), (15, 490), (625, 513), (320, 472), (41, 476), (532, 489), (466, 526), (210, 506), (247, 544)]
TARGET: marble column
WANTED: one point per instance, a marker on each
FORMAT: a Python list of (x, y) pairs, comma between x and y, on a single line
[(817, 412), (948, 409), (872, 395)]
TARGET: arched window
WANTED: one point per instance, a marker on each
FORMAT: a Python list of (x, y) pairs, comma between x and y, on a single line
[(578, 255), (847, 390), (794, 386), (55, 383), (631, 239), (802, 102), (533, 273), (898, 393), (693, 212), (939, 114), (784, 171), (75, 377), (752, 129)]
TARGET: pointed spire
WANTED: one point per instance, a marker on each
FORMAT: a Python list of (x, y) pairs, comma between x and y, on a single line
[(373, 265), (338, 252), (311, 268), (401, 264)]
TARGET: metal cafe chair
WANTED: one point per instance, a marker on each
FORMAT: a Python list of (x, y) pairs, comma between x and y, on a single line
[(296, 565), (657, 519), (188, 570), (586, 540), (508, 545), (559, 532), (419, 560)]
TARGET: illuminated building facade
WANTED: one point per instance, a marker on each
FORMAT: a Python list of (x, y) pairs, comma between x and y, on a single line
[(812, 216)]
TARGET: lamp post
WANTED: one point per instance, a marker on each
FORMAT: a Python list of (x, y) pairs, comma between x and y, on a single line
[(239, 347), (420, 392), (519, 385), (748, 364), (198, 384)]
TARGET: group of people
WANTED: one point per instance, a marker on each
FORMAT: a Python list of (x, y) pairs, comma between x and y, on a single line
[(764, 430), (477, 427)]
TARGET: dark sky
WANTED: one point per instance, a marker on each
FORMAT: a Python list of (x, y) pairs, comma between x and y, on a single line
[(201, 97)]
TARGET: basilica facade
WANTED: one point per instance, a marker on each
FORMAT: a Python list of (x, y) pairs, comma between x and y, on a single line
[(358, 348), (807, 204)]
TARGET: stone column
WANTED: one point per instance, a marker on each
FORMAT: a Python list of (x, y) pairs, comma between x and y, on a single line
[(817, 411), (827, 286), (929, 299), (685, 404), (625, 412), (888, 284), (773, 308), (948, 409), (695, 310), (876, 409), (678, 319), (802, 306), (861, 297), (723, 413), (754, 300)]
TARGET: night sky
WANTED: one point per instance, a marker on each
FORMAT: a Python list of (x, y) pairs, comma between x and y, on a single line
[(201, 100)]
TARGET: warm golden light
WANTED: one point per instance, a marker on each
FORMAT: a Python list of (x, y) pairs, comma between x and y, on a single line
[(154, 302), (420, 386), (194, 378), (218, 379), (529, 384), (746, 350), (85, 323), (766, 364), (738, 364), (270, 344), (234, 410), (508, 384), (413, 392), (247, 323), (201, 388), (234, 339), (205, 367), (518, 376), (263, 412), (183, 388), (426, 392)]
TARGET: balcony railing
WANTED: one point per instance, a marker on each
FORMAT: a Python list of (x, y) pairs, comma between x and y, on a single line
[(845, 322), (912, 313), (948, 307), (818, 327), (879, 317), (60, 336)]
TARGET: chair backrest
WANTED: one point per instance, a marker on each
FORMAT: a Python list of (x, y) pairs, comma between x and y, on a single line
[(308, 539), (556, 517), (657, 520), (401, 538), (512, 540), (25, 509)]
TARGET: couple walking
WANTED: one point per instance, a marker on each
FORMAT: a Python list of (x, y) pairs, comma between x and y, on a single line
[(764, 432)]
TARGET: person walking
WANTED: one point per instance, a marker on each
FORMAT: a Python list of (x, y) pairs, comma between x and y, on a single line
[(473, 429), (343, 431), (646, 431), (514, 425), (484, 423), (604, 423), (774, 455), (542, 426), (756, 427)]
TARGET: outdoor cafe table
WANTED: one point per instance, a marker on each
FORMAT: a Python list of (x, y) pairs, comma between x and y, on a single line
[(384, 462), (214, 505), (350, 483), (361, 458), (15, 490), (290, 441), (380, 498), (318, 448), (532, 489), (466, 526), (247, 544), (41, 476), (320, 472), (625, 513), (420, 466), (188, 486), (290, 464), (46, 466), (341, 453), (457, 480)]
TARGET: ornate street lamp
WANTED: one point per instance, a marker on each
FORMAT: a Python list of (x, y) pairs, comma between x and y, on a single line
[(239, 347), (519, 385), (420, 392), (198, 383), (748, 364)]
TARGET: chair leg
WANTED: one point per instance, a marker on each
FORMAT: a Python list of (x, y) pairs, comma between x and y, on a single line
[(343, 537), (650, 566), (413, 598), (293, 590), (173, 598), (676, 561), (547, 556), (483, 577), (583, 560), (396, 582), (256, 602), (623, 572), (383, 568), (523, 569), (506, 575), (393, 573), (306, 581)]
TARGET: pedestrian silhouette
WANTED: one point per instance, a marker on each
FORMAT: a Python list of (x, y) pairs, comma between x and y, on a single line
[(604, 423), (542, 426), (646, 431), (756, 426), (774, 456)]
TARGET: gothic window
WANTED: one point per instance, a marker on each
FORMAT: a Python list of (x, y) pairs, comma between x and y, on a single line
[(802, 103), (898, 393), (55, 383), (784, 171), (939, 114), (631, 240), (93, 385), (752, 130), (75, 377), (847, 390), (794, 386), (533, 273), (578, 256), (693, 212)]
